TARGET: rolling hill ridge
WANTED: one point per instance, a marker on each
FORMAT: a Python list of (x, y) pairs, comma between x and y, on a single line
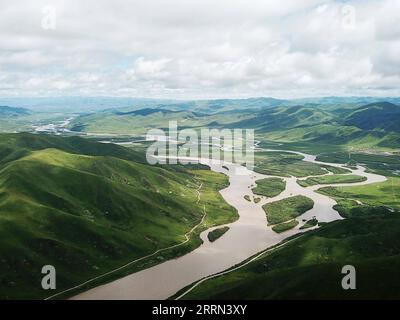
[(87, 211)]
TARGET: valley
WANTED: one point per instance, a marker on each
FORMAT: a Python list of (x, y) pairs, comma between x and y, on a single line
[(94, 204), (165, 151), (234, 247)]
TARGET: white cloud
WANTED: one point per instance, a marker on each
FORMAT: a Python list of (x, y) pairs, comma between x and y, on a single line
[(200, 49)]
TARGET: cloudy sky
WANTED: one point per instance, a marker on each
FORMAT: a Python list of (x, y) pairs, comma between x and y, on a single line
[(199, 48)]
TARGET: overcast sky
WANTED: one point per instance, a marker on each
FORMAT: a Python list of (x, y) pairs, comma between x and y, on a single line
[(199, 48)]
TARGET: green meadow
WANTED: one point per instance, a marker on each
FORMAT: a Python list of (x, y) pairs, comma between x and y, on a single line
[(269, 187), (287, 209), (331, 179)]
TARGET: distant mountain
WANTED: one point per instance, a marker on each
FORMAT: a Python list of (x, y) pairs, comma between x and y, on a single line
[(381, 115), (281, 118), (6, 111), (90, 104), (345, 100), (138, 122), (144, 112), (82, 104), (223, 105), (371, 125)]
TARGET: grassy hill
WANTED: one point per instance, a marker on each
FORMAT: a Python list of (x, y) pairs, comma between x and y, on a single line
[(374, 125), (87, 208), (331, 179), (15, 146), (286, 117)]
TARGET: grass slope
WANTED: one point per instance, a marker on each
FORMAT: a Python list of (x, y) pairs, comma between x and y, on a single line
[(88, 214), (14, 146), (381, 115), (285, 164), (284, 226), (360, 200)]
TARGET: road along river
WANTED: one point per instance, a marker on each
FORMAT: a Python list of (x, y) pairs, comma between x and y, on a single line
[(246, 237)]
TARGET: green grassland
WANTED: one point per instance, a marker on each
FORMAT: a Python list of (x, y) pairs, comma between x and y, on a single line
[(269, 187), (306, 147), (309, 224), (285, 164), (309, 267), (88, 208), (217, 233), (336, 170), (287, 209), (274, 119), (384, 164), (15, 146), (331, 179), (284, 226), (335, 136), (361, 200)]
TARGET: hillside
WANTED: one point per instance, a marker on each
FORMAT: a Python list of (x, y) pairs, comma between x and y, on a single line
[(15, 146), (383, 115), (373, 126), (285, 118), (87, 211)]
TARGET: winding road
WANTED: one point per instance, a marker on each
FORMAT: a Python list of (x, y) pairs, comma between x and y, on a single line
[(246, 237)]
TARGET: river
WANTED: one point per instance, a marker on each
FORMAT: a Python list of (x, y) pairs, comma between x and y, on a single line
[(246, 237)]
